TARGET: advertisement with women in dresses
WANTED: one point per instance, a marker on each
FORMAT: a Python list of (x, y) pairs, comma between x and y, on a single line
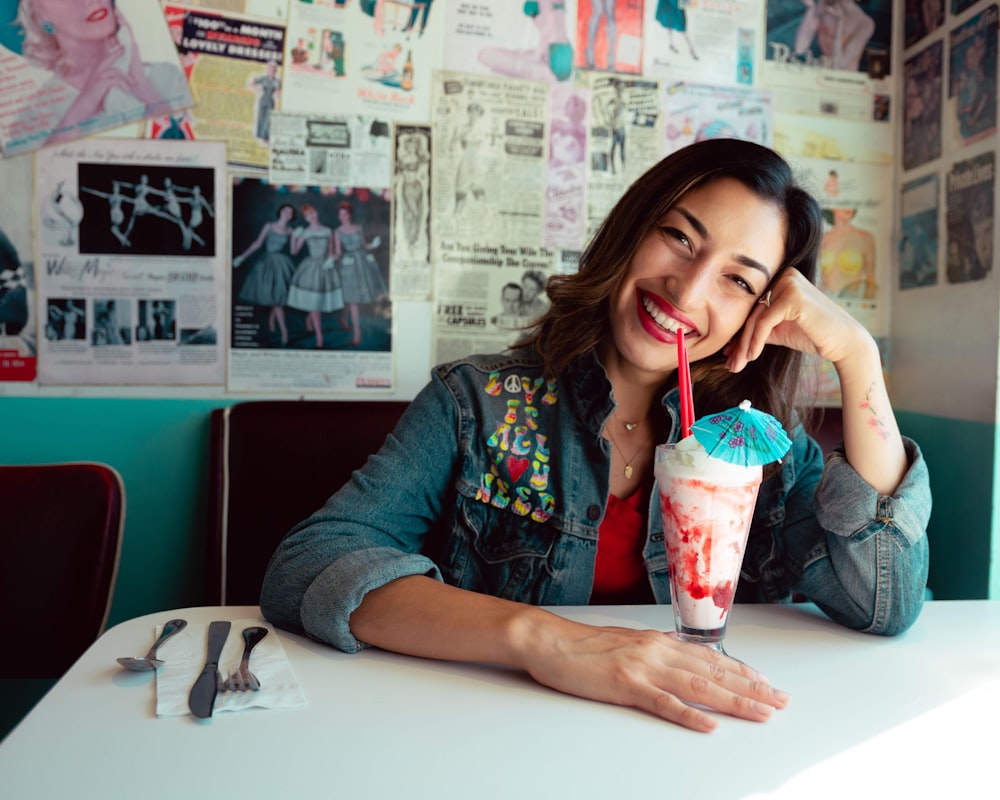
[(310, 288), (69, 70), (130, 271)]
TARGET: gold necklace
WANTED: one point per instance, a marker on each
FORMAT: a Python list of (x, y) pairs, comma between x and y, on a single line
[(628, 461), (629, 426)]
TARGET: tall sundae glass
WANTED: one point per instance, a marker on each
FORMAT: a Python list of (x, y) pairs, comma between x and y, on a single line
[(707, 484)]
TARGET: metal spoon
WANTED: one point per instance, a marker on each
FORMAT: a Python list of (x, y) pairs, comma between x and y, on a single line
[(149, 661)]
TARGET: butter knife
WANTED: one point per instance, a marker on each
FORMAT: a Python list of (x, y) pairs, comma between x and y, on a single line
[(202, 697)]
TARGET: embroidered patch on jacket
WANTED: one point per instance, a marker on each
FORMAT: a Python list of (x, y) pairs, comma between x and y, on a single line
[(518, 476)]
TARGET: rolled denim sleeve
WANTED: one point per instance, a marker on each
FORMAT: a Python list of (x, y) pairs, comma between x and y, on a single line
[(868, 567), (371, 531)]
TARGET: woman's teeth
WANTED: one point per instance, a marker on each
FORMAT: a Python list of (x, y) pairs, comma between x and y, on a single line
[(665, 321)]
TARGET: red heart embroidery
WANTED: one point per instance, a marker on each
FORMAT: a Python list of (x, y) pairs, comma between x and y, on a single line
[(516, 467)]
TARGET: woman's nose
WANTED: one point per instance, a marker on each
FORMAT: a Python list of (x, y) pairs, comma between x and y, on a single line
[(692, 289)]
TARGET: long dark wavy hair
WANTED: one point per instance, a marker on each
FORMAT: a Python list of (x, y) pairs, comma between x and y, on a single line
[(578, 319)]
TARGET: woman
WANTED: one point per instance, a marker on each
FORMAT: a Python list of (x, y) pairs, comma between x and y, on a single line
[(500, 489), (412, 166), (840, 28), (360, 277), (269, 277), (269, 85), (92, 49), (315, 285), (847, 257), (472, 172)]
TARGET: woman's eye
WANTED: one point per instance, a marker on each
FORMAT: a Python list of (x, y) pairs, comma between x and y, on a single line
[(676, 235), (744, 285)]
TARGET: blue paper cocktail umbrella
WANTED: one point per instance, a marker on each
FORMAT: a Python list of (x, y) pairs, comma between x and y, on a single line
[(742, 435)]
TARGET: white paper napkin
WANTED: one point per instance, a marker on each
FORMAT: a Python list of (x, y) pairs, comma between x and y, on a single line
[(184, 658)]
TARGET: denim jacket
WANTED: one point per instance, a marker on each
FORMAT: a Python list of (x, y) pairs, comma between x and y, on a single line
[(496, 480)]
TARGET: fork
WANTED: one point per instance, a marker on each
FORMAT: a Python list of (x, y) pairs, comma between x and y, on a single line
[(243, 680)]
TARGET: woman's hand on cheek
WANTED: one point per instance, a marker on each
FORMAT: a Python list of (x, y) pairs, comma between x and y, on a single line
[(799, 317)]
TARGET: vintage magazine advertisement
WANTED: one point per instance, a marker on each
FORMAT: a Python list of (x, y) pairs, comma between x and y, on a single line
[(972, 88), (625, 139), (918, 232), (855, 262), (18, 324), (701, 41), (969, 215), (330, 150), (131, 262), (411, 227), (485, 293), (310, 288), (829, 58), (485, 127), (566, 180), (694, 112), (533, 40), (922, 82), (47, 99), (363, 57), (233, 65), (609, 35)]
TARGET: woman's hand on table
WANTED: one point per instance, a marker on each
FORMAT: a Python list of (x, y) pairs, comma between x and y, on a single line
[(652, 671)]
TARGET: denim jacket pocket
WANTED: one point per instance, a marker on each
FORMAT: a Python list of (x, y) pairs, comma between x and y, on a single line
[(499, 552)]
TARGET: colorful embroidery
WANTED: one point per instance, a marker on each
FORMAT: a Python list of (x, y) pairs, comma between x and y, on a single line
[(518, 475)]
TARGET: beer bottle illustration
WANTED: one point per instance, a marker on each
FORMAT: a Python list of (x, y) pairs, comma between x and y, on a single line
[(406, 82)]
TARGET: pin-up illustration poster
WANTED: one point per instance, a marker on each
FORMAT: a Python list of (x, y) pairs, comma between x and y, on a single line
[(805, 40), (918, 227), (53, 90), (532, 41), (609, 35), (18, 328), (972, 88), (922, 17), (364, 57), (714, 43)]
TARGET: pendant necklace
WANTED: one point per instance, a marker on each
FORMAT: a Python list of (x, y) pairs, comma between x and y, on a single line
[(629, 426), (628, 461)]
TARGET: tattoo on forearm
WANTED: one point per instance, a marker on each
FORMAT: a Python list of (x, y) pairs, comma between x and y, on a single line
[(875, 421)]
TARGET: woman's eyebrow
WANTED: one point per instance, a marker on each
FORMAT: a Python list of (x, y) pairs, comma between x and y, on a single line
[(702, 231)]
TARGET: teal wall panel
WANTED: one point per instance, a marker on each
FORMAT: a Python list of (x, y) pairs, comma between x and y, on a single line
[(960, 457), (160, 447)]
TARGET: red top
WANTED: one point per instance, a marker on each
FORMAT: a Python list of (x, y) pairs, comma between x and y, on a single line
[(619, 574)]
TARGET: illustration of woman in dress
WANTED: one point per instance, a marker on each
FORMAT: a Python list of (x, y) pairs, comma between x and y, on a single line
[(601, 9), (672, 16), (847, 257), (315, 285), (359, 272), (91, 48), (551, 57), (568, 140), (267, 281), (411, 166), (471, 173), (269, 85)]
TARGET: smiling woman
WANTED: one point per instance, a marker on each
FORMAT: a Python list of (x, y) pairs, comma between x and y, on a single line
[(525, 478), (99, 78)]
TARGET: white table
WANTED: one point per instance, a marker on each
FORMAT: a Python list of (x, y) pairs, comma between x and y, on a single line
[(913, 716)]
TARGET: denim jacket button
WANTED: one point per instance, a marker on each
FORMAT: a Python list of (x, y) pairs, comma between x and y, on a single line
[(593, 513)]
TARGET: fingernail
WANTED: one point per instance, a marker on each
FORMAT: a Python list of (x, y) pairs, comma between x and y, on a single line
[(784, 697)]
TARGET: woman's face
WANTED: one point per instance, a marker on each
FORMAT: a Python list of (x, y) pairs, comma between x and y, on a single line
[(286, 213), (344, 215), (697, 273), (80, 19)]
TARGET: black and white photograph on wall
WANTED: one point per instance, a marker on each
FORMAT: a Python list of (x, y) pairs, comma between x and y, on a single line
[(66, 319), (157, 320), (112, 323), (411, 231), (969, 215), (310, 267), (140, 209)]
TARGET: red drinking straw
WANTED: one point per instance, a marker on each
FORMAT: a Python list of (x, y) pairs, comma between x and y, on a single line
[(684, 385)]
